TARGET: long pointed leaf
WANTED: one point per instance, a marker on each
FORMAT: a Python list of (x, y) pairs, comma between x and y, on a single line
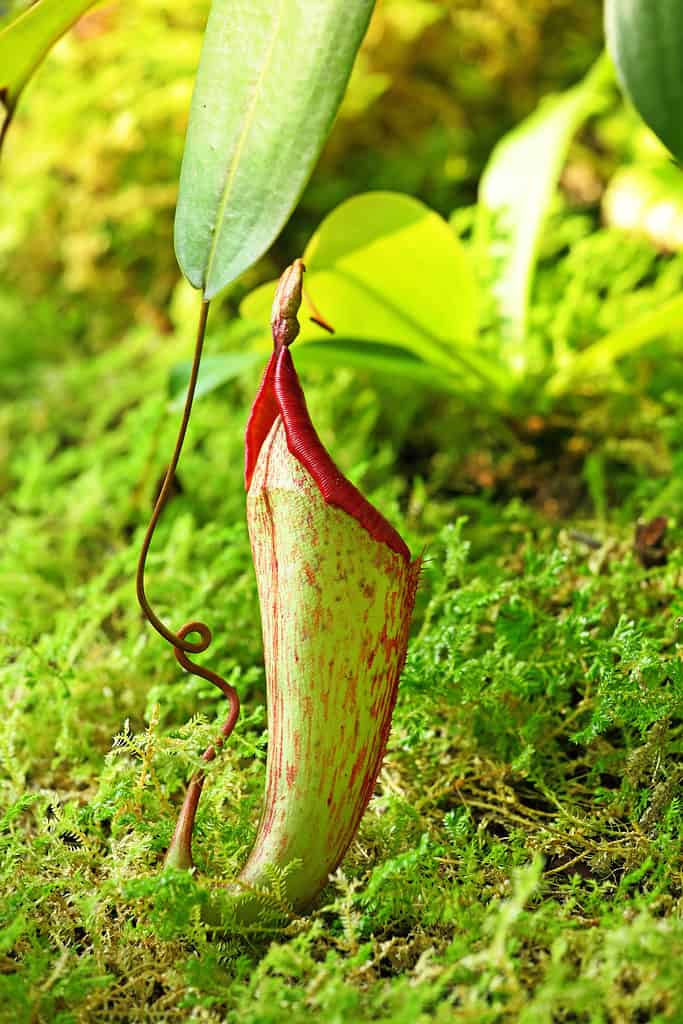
[(214, 373), (381, 360), (645, 38), (271, 77), (28, 39), (515, 194)]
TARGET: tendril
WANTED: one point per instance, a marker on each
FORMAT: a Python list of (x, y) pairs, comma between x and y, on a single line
[(176, 640), (211, 677), (181, 645)]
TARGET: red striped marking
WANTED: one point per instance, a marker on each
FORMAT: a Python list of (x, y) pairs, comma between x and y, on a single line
[(280, 394)]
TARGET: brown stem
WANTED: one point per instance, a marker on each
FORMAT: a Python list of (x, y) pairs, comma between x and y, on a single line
[(179, 854), (199, 627), (180, 850), (7, 119)]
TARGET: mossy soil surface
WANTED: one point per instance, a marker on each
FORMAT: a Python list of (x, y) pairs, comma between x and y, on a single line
[(521, 859)]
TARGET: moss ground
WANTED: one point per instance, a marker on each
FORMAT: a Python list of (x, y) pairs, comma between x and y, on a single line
[(521, 860)]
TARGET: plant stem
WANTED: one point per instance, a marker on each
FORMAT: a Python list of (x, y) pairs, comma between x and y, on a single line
[(180, 851), (199, 627), (7, 120)]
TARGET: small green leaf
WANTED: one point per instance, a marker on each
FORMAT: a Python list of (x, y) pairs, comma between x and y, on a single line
[(271, 77), (384, 268), (28, 39), (515, 194), (384, 360), (213, 373), (645, 39)]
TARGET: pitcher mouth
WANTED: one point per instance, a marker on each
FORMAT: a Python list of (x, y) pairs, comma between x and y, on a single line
[(280, 394)]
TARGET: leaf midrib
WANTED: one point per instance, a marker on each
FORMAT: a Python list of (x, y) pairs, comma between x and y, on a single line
[(439, 350), (246, 128)]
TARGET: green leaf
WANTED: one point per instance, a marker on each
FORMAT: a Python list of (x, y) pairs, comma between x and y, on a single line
[(386, 269), (645, 39), (515, 194), (385, 360), (28, 39), (271, 77), (241, 340), (213, 373)]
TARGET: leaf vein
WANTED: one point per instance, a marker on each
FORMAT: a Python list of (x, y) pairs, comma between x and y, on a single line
[(246, 128)]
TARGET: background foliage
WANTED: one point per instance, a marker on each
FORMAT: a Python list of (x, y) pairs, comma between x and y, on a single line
[(521, 859)]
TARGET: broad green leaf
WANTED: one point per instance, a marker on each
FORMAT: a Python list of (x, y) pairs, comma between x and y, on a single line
[(645, 39), (27, 40), (271, 77), (515, 194), (386, 269)]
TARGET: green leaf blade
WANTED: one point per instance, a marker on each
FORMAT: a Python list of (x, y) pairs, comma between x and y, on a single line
[(379, 360), (515, 194), (215, 371), (384, 268), (645, 39), (271, 77), (26, 41)]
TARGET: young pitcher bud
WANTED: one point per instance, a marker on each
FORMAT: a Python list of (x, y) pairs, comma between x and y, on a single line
[(336, 588)]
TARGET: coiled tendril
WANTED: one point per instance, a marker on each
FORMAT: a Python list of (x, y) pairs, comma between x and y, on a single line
[(180, 850)]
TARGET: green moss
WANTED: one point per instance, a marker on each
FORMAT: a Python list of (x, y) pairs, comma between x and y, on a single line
[(521, 860)]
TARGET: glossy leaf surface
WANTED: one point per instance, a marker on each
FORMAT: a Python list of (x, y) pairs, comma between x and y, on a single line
[(384, 268), (380, 360), (271, 77), (645, 39), (215, 371), (28, 39)]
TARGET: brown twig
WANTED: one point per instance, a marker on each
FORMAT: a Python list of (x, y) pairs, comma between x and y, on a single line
[(7, 119)]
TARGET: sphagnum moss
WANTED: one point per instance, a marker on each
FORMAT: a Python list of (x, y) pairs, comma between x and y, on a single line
[(521, 859)]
